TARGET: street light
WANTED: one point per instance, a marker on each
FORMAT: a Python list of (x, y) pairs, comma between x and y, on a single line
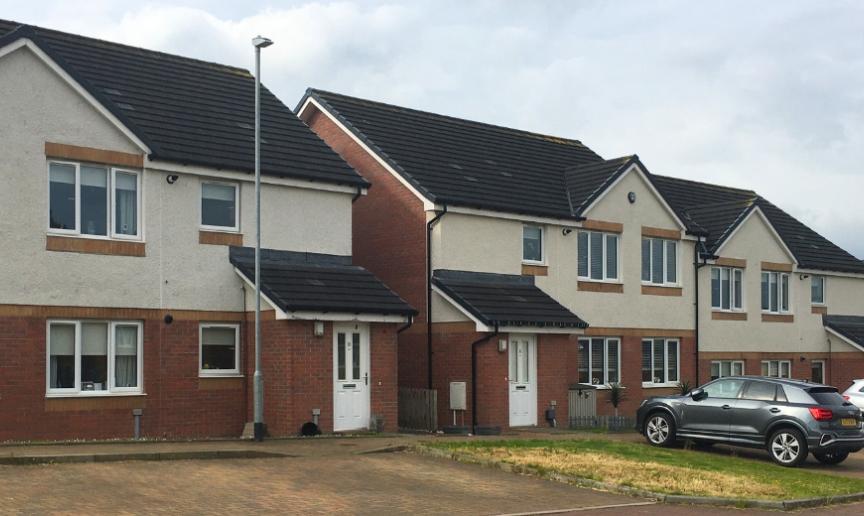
[(258, 385)]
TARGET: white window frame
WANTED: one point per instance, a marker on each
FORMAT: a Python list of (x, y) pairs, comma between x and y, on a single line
[(110, 200), (731, 293), (666, 382), (111, 390), (219, 372), (604, 384), (732, 364), (542, 260), (778, 364), (666, 282), (603, 260), (780, 291), (224, 229), (824, 280)]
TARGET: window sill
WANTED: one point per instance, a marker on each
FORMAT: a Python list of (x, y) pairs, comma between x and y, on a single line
[(226, 375), (726, 315), (600, 286), (94, 245), (662, 290), (88, 394), (652, 385), (211, 237), (778, 318)]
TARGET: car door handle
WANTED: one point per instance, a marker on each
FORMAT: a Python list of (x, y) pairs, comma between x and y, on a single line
[(726, 407), (774, 410)]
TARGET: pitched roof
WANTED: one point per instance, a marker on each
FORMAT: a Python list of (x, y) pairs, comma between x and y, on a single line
[(319, 283), (720, 209), (189, 111), (464, 163), (849, 326), (504, 300)]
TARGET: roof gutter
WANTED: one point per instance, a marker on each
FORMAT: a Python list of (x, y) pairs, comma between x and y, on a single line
[(474, 346), (430, 225)]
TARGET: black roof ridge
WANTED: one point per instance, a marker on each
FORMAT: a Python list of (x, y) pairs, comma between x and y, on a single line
[(705, 183), (625, 159), (749, 201), (851, 319), (481, 277), (541, 136), (124, 45)]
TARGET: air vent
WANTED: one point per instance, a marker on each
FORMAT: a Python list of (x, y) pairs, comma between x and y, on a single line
[(112, 91), (472, 179), (316, 283), (506, 174), (518, 299), (490, 161), (127, 107), (456, 166), (244, 125)]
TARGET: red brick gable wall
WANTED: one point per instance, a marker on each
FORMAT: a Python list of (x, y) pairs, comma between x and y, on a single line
[(388, 238)]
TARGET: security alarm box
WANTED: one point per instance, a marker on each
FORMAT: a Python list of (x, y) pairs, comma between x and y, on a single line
[(457, 396)]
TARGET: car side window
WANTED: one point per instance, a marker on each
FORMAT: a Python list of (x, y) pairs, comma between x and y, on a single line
[(724, 388), (760, 391)]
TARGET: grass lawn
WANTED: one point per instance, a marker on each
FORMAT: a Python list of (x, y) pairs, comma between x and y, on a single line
[(662, 470)]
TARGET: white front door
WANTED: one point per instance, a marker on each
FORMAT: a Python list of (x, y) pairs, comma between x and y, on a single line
[(523, 380), (350, 376)]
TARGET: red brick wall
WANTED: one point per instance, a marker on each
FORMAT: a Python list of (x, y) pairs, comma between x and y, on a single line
[(840, 368), (298, 376), (389, 239)]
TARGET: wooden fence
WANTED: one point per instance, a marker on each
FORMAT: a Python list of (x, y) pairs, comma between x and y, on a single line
[(418, 410)]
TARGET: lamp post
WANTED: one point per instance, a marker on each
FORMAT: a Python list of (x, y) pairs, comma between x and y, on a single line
[(258, 385)]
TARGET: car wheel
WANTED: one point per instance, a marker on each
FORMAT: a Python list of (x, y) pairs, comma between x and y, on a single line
[(660, 429), (831, 457), (787, 447)]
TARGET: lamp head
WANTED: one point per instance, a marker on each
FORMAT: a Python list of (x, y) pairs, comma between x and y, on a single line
[(261, 42)]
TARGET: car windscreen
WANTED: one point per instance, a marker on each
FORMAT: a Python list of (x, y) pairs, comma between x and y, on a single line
[(826, 396)]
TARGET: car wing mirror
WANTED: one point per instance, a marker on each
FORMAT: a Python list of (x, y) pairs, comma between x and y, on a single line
[(698, 394)]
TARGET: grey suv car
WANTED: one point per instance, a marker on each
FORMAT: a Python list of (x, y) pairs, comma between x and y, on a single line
[(790, 418)]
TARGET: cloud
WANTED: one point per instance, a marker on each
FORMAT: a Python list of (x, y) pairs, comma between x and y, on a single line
[(767, 96)]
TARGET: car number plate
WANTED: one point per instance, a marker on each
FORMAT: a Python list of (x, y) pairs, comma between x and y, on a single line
[(848, 421)]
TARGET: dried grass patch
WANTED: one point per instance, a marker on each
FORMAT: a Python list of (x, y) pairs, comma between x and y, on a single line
[(646, 475)]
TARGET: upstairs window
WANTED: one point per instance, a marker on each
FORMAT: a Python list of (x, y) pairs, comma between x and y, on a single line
[(817, 290), (532, 244), (93, 200), (775, 292), (597, 256), (219, 206), (727, 288), (659, 261)]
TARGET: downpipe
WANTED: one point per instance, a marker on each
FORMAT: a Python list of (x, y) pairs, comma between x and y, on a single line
[(429, 227), (474, 346)]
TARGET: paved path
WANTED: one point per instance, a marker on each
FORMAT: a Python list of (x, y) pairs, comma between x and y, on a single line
[(329, 482)]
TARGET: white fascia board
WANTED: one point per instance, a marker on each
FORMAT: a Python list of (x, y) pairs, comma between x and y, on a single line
[(819, 272), (504, 215), (279, 313), (427, 204), (38, 52), (305, 315), (195, 170), (541, 329), (844, 338), (635, 167), (757, 210)]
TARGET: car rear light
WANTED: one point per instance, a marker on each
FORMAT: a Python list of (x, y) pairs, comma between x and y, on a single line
[(821, 414), (846, 397)]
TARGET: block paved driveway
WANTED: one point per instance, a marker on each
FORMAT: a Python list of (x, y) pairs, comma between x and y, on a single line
[(385, 483)]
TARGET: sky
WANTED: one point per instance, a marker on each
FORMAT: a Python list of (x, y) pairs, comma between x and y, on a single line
[(764, 95)]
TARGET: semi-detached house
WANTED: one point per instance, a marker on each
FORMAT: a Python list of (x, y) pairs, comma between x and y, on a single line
[(128, 216), (538, 265)]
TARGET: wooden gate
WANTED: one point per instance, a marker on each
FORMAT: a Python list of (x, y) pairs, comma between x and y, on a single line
[(418, 410)]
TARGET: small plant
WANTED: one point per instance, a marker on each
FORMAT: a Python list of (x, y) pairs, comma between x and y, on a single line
[(616, 395), (684, 387)]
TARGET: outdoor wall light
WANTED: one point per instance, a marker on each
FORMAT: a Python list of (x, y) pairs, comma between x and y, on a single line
[(566, 231), (172, 178), (802, 277), (168, 318), (631, 197), (502, 345), (319, 328)]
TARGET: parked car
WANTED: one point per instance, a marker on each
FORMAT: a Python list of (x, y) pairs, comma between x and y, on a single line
[(855, 393), (790, 418)]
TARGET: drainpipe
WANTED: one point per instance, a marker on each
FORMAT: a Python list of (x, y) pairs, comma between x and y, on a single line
[(429, 226), (407, 325), (357, 195), (474, 346), (697, 265)]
